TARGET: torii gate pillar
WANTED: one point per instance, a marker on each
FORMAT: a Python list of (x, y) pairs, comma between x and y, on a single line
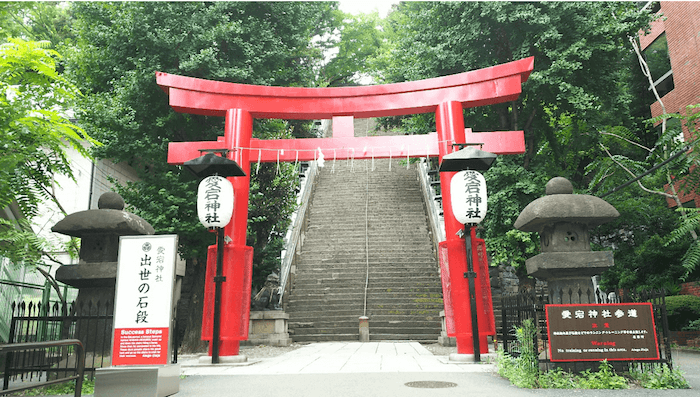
[(446, 96), (449, 122), (238, 258)]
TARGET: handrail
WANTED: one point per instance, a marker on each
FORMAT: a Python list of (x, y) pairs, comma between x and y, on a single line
[(80, 351), (436, 220), (298, 218)]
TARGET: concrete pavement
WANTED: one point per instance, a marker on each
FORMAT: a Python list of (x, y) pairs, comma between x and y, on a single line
[(349, 369), (339, 358)]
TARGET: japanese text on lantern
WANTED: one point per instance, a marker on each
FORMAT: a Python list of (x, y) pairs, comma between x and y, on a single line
[(472, 186), (214, 201), (468, 196), (212, 205)]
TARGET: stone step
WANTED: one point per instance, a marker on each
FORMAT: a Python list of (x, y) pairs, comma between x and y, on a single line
[(333, 308), (354, 216), (436, 289), (374, 321), (400, 329), (344, 270), (427, 338), (326, 338), (300, 285)]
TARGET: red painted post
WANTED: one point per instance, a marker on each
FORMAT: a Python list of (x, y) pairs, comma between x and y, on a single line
[(238, 258), (450, 128)]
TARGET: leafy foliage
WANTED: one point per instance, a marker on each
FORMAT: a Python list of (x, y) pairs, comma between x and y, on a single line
[(604, 378), (584, 79), (63, 388), (357, 40), (682, 310), (581, 63), (643, 259), (36, 21), (35, 132), (121, 47), (658, 376), (511, 187), (523, 370)]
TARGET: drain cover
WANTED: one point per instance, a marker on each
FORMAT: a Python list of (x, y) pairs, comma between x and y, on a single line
[(430, 384)]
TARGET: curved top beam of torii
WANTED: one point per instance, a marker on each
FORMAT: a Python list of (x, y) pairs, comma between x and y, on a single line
[(481, 87)]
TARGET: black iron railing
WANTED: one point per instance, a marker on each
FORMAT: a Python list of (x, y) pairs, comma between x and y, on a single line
[(91, 323), (41, 348)]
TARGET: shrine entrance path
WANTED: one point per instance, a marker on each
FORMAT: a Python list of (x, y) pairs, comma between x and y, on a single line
[(324, 370)]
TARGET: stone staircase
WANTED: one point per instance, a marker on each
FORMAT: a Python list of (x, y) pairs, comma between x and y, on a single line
[(361, 223)]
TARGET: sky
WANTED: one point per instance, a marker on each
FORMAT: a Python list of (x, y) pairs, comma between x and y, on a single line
[(367, 6)]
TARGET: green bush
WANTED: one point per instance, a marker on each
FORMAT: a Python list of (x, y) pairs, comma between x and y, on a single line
[(693, 326), (557, 378), (658, 376), (523, 371), (605, 378), (682, 310)]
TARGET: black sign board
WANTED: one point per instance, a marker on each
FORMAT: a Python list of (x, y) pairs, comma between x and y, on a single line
[(594, 332)]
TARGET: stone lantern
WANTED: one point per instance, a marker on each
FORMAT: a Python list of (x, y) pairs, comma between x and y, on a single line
[(566, 261), (99, 230)]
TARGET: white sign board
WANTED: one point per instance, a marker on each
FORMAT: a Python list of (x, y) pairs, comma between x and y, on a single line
[(215, 201), (468, 196), (143, 302)]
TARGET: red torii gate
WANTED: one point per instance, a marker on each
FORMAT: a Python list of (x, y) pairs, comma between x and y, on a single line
[(240, 103)]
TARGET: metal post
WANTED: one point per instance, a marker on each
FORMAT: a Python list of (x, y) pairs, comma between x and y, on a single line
[(471, 275), (218, 279)]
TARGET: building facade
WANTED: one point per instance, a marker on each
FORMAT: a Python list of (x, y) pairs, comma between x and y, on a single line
[(672, 51)]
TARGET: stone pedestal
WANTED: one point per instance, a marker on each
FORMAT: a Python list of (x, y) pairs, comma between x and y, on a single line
[(364, 329), (155, 381), (443, 339), (268, 328), (569, 275)]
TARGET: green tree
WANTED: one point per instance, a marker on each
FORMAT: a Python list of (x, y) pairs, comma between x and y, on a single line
[(580, 83), (357, 38), (666, 167), (36, 21), (34, 133), (122, 45)]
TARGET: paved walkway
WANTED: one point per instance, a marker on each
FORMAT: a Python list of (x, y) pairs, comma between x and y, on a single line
[(407, 369), (340, 358), (354, 369)]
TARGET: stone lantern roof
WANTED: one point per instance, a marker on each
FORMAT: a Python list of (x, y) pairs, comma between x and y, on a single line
[(561, 205), (109, 218), (99, 231)]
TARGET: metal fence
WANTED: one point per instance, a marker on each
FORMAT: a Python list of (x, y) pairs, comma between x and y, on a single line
[(69, 347), (530, 305), (91, 323)]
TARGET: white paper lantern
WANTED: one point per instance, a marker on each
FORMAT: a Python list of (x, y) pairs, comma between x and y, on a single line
[(468, 191), (215, 201)]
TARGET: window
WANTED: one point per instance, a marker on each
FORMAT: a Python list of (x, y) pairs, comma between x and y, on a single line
[(656, 56), (652, 6)]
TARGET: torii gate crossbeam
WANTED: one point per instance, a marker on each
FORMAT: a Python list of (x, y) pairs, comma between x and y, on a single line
[(240, 103)]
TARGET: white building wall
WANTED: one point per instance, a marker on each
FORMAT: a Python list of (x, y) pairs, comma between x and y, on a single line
[(91, 181)]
